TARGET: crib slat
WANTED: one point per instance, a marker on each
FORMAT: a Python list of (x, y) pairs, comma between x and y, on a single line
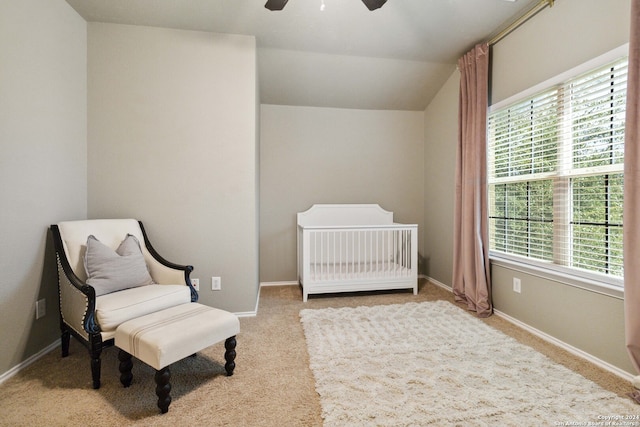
[(340, 256)]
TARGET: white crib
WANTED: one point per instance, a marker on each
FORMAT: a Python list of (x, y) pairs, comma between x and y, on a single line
[(355, 247)]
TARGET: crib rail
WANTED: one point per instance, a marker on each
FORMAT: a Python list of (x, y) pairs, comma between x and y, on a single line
[(352, 253)]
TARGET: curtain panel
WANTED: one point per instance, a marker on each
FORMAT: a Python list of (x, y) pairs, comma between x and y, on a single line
[(471, 280), (631, 231)]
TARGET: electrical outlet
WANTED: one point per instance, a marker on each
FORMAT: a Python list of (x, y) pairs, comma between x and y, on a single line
[(196, 284), (216, 284), (517, 285), (41, 308)]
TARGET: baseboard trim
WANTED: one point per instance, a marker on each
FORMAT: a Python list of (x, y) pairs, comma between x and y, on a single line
[(439, 284), (552, 340), (31, 359), (285, 283), (246, 313), (253, 313), (28, 361), (571, 349)]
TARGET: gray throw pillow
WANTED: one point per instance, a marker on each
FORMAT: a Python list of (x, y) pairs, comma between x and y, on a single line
[(110, 271)]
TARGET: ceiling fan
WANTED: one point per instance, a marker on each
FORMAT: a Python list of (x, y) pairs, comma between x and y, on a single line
[(279, 4)]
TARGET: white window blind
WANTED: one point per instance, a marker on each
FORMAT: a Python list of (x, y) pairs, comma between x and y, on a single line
[(555, 171)]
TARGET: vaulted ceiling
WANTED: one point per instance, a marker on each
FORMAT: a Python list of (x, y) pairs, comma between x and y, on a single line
[(334, 53)]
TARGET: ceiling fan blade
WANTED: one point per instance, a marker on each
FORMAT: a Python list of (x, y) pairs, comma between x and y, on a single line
[(374, 4), (276, 4)]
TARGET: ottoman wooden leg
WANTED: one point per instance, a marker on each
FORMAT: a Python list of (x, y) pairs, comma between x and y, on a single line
[(230, 355), (125, 368), (163, 388)]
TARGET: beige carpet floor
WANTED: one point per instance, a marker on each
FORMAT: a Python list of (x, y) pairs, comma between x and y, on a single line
[(433, 363), (272, 384)]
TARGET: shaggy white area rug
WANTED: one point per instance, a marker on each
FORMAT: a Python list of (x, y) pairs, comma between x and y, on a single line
[(432, 363)]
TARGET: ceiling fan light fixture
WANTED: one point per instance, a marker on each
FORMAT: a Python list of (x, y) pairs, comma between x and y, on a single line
[(275, 4), (280, 4), (374, 4)]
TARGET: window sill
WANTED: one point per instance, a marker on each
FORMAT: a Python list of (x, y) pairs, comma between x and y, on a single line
[(568, 279)]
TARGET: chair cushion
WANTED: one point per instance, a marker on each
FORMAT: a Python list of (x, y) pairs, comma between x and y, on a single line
[(110, 271), (118, 307)]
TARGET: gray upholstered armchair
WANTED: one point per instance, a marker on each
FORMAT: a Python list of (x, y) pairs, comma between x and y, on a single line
[(109, 273)]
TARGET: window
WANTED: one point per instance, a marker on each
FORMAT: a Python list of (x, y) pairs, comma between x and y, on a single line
[(555, 174)]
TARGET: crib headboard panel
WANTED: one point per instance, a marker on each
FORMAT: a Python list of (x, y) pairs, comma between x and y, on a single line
[(344, 215)]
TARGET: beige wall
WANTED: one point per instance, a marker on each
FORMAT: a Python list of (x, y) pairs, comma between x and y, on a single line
[(590, 321), (441, 136), (328, 155), (173, 141), (43, 127), (555, 40)]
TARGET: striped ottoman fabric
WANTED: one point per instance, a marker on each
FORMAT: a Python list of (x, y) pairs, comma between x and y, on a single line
[(164, 337)]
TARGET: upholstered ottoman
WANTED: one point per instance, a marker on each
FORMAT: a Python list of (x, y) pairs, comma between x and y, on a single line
[(164, 337)]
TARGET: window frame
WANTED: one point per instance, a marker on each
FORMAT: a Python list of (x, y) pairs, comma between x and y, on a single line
[(585, 279)]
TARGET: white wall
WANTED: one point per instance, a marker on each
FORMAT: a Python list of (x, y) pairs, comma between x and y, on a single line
[(555, 40), (43, 163), (327, 155), (173, 142)]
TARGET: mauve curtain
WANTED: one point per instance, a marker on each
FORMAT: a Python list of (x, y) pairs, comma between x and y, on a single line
[(471, 281), (632, 193)]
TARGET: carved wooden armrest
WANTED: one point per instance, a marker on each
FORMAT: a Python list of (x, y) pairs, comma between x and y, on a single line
[(77, 302)]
